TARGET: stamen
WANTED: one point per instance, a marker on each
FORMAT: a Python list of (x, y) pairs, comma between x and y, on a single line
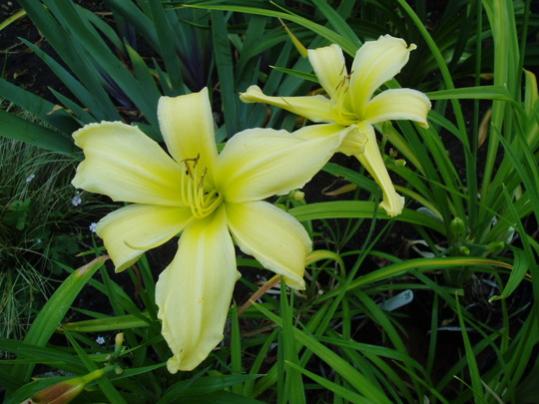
[(193, 189)]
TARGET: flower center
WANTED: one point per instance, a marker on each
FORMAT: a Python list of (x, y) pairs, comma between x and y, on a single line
[(343, 109), (195, 191)]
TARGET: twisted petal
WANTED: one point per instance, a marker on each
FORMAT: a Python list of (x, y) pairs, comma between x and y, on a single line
[(370, 157), (194, 292), (375, 63), (401, 103), (258, 163), (186, 123), (316, 108), (277, 240), (130, 231), (126, 165), (330, 68)]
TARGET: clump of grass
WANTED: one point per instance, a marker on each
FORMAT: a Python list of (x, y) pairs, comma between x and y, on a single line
[(36, 202)]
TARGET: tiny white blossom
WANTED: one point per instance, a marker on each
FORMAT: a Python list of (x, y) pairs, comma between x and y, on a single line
[(93, 227), (100, 340), (76, 200), (30, 178)]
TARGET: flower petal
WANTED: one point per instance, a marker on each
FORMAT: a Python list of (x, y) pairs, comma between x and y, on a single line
[(130, 231), (276, 239), (401, 103), (186, 123), (194, 292), (375, 63), (368, 154), (258, 163), (330, 68), (126, 165), (316, 108), (321, 131)]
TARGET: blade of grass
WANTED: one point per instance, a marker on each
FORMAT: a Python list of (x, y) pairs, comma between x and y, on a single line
[(359, 209), (13, 127), (477, 386), (225, 71), (52, 313), (329, 385), (343, 368)]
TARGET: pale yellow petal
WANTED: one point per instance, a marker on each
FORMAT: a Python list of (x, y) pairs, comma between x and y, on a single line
[(330, 68), (368, 154), (126, 165), (276, 239), (316, 108), (395, 104), (194, 292), (258, 163), (130, 231), (311, 132), (186, 123), (375, 63)]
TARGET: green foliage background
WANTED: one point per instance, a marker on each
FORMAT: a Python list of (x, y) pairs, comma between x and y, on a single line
[(439, 303)]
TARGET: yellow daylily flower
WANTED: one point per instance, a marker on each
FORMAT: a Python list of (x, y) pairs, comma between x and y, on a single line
[(350, 103), (211, 198)]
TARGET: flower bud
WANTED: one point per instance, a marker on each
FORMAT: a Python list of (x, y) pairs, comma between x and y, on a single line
[(60, 393), (66, 390)]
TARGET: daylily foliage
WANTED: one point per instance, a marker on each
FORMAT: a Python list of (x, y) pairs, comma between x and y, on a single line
[(351, 103), (211, 198)]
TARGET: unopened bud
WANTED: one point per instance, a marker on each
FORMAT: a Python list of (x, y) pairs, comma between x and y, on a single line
[(67, 390), (118, 341), (457, 229), (298, 195), (59, 393)]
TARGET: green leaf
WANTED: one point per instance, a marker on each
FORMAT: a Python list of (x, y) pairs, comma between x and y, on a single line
[(353, 376), (17, 128), (290, 380), (38, 106), (224, 64), (43, 355), (329, 385), (235, 347), (333, 37), (357, 210), (166, 46), (52, 313), (520, 269), (126, 322), (472, 93), (477, 385), (202, 386), (418, 264), (12, 18), (337, 22)]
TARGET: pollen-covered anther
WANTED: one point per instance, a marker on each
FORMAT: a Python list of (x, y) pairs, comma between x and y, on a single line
[(195, 190)]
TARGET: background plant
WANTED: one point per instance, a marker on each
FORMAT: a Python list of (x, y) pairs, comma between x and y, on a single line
[(407, 308)]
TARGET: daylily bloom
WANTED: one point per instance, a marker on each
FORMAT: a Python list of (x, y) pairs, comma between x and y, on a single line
[(351, 103), (211, 198)]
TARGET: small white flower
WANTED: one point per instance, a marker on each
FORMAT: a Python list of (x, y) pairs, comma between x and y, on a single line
[(100, 340), (30, 178), (76, 200), (93, 227)]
